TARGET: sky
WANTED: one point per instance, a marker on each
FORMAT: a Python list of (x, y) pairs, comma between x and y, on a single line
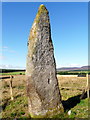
[(69, 32), (45, 0)]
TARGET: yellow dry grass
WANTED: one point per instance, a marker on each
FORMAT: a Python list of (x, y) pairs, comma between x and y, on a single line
[(69, 88)]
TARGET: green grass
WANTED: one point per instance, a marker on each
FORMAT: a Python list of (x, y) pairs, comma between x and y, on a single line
[(77, 72), (18, 108), (79, 111), (60, 73), (13, 73)]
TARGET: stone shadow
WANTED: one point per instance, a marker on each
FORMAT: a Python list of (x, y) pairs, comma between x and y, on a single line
[(73, 101), (6, 102)]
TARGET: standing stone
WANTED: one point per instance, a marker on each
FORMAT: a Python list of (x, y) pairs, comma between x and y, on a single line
[(44, 97)]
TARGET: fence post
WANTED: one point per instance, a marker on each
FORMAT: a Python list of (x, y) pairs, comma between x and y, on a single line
[(11, 92), (87, 85)]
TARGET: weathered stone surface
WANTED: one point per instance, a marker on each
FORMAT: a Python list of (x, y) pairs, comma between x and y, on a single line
[(44, 97)]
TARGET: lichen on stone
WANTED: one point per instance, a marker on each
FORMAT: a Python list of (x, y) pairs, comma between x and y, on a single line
[(33, 32), (42, 9), (49, 113), (43, 91)]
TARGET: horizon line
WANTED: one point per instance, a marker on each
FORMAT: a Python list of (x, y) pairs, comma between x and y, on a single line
[(56, 67)]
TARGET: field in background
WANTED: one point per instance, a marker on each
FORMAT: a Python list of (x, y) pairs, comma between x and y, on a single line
[(74, 72), (22, 72), (71, 88), (13, 73)]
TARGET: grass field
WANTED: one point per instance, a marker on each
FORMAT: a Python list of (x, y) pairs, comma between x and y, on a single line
[(13, 73), (18, 72), (70, 87)]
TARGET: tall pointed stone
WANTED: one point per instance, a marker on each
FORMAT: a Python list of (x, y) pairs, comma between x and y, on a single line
[(44, 97)]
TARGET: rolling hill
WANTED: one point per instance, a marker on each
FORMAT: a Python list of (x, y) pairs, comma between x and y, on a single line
[(74, 68)]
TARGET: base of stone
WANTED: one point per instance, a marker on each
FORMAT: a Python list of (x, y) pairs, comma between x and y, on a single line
[(49, 113)]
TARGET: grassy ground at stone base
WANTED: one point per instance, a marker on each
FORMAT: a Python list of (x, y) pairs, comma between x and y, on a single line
[(18, 108)]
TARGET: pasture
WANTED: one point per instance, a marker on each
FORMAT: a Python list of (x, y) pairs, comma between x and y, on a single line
[(71, 89)]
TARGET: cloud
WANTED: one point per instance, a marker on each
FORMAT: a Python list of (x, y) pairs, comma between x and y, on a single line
[(11, 51), (10, 67), (7, 49), (2, 57), (2, 66), (70, 65), (4, 47), (75, 65)]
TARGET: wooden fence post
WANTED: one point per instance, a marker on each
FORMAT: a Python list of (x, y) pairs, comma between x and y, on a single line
[(87, 85), (11, 92)]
